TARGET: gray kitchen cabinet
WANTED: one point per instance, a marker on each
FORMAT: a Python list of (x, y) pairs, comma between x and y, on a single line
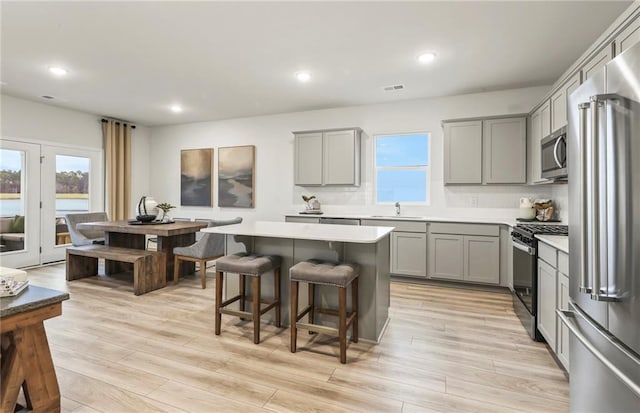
[(562, 335), (628, 37), (409, 254), (327, 157), (546, 302), (481, 263), (485, 151), (559, 102), (540, 128), (465, 252), (304, 220), (463, 152), (445, 254), (505, 150), (597, 62)]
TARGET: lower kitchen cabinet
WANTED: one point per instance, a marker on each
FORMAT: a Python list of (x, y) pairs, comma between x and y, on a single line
[(562, 337), (445, 254), (482, 259), (408, 254), (547, 302)]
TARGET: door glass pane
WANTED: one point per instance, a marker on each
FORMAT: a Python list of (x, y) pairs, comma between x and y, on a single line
[(72, 191), (12, 200)]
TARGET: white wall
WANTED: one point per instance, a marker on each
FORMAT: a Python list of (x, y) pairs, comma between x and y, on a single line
[(32, 121), (275, 192)]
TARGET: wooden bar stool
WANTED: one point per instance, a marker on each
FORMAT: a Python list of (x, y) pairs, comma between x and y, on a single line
[(326, 273), (253, 266)]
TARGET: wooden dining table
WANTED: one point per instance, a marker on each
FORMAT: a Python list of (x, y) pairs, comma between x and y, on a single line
[(126, 234)]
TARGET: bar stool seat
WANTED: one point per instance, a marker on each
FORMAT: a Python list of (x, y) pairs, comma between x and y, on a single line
[(340, 275), (253, 266)]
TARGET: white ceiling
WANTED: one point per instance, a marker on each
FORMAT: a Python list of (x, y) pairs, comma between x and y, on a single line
[(133, 60)]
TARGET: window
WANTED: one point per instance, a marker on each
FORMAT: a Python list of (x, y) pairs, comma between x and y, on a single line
[(402, 168)]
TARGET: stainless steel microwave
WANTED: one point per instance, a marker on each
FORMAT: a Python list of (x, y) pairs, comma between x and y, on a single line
[(554, 155)]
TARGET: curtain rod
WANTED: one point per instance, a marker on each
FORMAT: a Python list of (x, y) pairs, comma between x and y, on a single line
[(118, 122)]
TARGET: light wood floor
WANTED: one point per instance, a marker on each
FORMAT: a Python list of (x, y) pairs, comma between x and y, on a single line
[(445, 350)]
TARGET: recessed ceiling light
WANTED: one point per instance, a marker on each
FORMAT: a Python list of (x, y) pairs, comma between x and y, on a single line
[(176, 109), (425, 58), (58, 71), (303, 76)]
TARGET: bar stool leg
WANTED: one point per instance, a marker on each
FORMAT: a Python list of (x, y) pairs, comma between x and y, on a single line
[(203, 273), (256, 309), (219, 281), (276, 292), (176, 270), (342, 329), (354, 309), (294, 316), (312, 304), (242, 292)]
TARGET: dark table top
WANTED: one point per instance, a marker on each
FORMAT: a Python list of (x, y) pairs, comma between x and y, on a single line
[(31, 298), (162, 230)]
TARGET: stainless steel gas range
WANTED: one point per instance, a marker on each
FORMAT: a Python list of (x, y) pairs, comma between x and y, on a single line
[(525, 272)]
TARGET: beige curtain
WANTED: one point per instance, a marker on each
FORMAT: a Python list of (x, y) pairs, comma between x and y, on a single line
[(117, 143)]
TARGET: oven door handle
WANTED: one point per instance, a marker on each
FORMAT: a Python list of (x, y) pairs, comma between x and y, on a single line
[(522, 247)]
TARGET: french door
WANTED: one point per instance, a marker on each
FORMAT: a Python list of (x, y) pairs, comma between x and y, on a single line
[(54, 180)]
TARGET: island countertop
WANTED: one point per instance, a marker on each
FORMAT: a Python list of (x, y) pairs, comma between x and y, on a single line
[(295, 230)]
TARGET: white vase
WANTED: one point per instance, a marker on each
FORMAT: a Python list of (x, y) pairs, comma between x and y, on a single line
[(148, 206)]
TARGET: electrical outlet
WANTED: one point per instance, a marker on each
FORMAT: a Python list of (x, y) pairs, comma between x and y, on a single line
[(473, 201)]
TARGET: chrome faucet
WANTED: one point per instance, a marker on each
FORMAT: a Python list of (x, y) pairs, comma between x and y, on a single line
[(397, 209)]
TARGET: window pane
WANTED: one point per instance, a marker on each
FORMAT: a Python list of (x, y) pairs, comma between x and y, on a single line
[(401, 186), (12, 208), (72, 191), (402, 150)]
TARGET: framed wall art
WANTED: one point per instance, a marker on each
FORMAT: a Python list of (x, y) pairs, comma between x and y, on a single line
[(236, 176), (196, 177)]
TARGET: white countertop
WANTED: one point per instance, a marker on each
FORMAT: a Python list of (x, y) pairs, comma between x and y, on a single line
[(474, 220), (559, 242), (294, 230)]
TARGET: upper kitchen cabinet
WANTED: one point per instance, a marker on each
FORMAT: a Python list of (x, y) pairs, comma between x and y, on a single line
[(463, 152), (628, 37), (540, 127), (485, 151), (505, 150), (559, 102), (328, 157), (597, 62)]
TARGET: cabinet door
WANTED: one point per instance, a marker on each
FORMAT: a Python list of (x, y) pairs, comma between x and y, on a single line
[(445, 256), (308, 159), (628, 37), (340, 154), (559, 102), (562, 345), (545, 120), (547, 302), (540, 125), (482, 259), (463, 152), (597, 62), (304, 220), (409, 254), (505, 151)]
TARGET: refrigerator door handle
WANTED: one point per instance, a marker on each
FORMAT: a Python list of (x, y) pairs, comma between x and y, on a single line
[(567, 318), (594, 202), (585, 282)]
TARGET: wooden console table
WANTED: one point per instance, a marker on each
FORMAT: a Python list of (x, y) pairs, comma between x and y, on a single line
[(26, 359)]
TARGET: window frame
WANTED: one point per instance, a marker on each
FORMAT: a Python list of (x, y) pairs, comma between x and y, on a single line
[(425, 168)]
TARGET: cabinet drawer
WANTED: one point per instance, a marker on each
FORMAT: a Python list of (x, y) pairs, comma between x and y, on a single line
[(548, 254), (399, 225), (306, 220), (464, 229), (563, 263)]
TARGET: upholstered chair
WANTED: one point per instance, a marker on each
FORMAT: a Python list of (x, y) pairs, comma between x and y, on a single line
[(209, 247), (85, 237)]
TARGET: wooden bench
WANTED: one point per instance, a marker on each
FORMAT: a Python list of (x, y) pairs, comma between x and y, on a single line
[(148, 266)]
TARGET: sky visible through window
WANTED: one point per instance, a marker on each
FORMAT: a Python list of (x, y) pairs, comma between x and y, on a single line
[(401, 167)]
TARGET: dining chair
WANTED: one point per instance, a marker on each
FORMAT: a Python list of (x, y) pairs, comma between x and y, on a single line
[(85, 237), (209, 247), (154, 240)]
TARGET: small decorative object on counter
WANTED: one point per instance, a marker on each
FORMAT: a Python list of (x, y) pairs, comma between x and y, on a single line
[(165, 207), (527, 211), (544, 209), (313, 205), (10, 287), (147, 209)]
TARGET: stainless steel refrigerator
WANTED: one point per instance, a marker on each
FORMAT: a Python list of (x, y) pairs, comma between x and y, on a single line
[(604, 239)]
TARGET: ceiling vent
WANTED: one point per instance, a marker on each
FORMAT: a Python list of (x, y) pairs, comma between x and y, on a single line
[(393, 88)]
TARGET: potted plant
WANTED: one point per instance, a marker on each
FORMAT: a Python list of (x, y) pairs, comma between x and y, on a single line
[(165, 207)]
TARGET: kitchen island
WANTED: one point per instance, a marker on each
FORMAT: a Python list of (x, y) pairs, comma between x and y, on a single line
[(295, 242)]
